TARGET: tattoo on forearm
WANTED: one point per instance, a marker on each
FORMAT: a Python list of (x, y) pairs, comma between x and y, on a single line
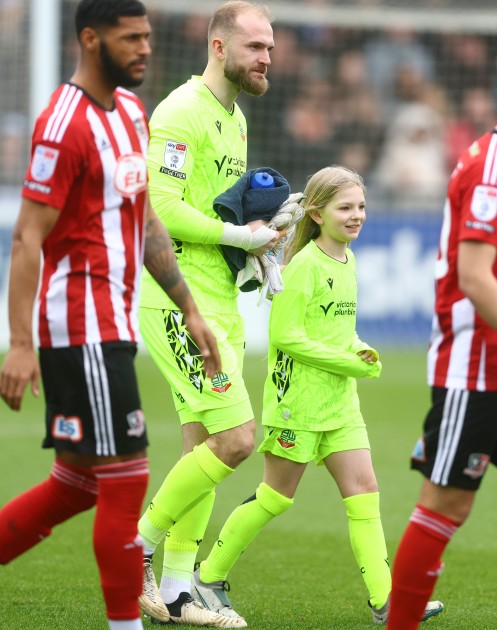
[(160, 260)]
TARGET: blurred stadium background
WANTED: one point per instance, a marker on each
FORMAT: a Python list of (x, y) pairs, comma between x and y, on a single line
[(392, 88)]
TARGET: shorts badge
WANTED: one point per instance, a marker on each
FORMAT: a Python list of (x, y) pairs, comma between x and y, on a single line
[(477, 465), (69, 429), (287, 438), (419, 453), (221, 383), (136, 423)]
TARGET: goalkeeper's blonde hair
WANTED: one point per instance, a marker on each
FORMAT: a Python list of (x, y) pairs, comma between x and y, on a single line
[(223, 22), (320, 190)]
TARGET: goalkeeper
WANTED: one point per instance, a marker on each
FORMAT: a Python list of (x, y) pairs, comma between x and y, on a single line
[(311, 408), (198, 149)]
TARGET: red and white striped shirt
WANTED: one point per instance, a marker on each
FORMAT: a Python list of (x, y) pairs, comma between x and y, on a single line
[(463, 347), (90, 164)]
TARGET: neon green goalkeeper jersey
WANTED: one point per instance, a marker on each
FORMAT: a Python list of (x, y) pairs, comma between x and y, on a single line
[(313, 361), (197, 150)]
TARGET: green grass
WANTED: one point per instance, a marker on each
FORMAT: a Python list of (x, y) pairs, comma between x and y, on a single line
[(300, 573)]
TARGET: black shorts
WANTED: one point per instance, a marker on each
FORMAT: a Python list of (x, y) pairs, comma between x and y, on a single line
[(92, 401), (459, 438)]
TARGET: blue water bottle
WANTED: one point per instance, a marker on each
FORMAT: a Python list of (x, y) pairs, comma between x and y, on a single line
[(261, 180)]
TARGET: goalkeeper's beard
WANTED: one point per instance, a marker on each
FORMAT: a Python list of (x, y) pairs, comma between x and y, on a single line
[(241, 77)]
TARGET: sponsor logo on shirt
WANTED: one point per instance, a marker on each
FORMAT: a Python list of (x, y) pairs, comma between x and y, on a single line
[(130, 177), (175, 154), (136, 423), (484, 203), (477, 465), (67, 428), (234, 166), (168, 171), (43, 163)]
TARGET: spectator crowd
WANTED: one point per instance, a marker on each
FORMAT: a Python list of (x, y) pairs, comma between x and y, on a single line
[(397, 105)]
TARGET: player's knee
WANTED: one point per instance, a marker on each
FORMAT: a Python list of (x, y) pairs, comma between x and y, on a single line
[(271, 500)]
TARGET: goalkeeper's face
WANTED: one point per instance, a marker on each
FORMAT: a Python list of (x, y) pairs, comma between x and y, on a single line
[(247, 54)]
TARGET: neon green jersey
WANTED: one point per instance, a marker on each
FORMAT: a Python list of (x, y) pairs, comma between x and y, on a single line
[(313, 361), (197, 150)]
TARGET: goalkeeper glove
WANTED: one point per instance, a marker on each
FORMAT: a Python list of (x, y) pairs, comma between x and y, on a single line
[(242, 236)]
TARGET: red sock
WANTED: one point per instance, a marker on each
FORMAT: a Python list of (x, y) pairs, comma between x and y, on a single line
[(118, 547), (417, 566), (28, 519)]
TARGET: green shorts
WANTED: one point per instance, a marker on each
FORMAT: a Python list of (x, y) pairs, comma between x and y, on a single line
[(219, 404), (307, 446)]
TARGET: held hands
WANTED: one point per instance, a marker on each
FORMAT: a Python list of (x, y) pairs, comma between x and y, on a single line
[(19, 368), (206, 342)]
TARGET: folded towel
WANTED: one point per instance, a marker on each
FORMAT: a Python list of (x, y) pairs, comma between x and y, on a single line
[(242, 204)]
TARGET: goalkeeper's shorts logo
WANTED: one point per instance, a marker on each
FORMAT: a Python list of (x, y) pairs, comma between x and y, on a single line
[(221, 383), (287, 438)]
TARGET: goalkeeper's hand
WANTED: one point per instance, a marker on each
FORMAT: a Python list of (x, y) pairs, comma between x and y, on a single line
[(254, 237)]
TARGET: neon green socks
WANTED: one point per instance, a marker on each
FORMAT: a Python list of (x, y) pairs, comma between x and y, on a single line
[(242, 526), (181, 547), (368, 545), (192, 478)]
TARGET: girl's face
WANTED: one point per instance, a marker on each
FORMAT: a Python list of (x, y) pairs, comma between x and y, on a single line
[(341, 219)]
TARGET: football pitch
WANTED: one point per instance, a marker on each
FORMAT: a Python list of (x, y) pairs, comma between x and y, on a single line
[(299, 574)]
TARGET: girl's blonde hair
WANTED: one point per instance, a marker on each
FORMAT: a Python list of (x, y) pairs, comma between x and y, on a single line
[(319, 191)]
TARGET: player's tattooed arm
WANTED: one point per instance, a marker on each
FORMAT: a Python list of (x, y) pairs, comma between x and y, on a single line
[(160, 260)]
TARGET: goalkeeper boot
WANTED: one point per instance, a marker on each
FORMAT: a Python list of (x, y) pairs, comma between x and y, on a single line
[(213, 596), (186, 611), (150, 601), (380, 615)]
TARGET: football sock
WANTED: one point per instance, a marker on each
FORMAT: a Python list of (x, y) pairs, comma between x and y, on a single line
[(418, 563), (180, 549), (368, 545), (242, 526), (192, 478), (133, 624), (29, 518), (117, 545)]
